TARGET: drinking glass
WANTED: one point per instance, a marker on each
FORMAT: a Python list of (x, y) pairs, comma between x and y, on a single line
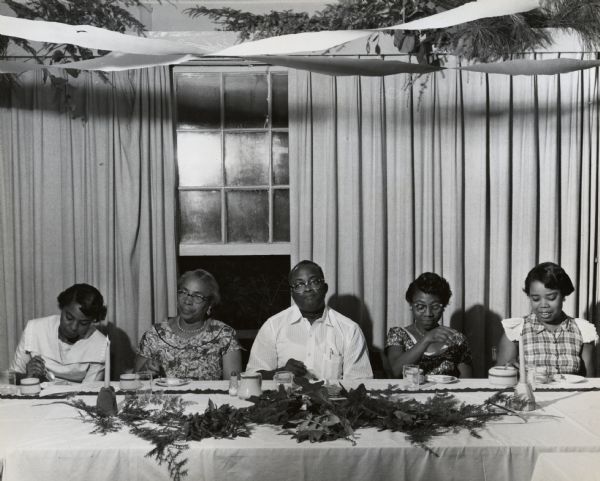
[(412, 376), (536, 375), (284, 377), (8, 377), (144, 391)]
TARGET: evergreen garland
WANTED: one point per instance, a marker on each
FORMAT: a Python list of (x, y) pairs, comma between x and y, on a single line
[(311, 414)]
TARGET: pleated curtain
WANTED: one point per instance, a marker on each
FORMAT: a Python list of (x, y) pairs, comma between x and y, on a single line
[(475, 177), (87, 194)]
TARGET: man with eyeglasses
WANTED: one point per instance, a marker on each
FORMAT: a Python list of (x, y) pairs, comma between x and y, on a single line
[(309, 338)]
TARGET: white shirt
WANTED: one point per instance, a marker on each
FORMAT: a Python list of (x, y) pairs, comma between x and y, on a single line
[(82, 361), (333, 347)]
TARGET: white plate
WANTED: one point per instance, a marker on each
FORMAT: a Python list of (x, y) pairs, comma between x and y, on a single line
[(172, 382), (568, 378), (441, 378)]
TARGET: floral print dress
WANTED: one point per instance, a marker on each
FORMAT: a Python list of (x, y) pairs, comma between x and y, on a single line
[(446, 362), (197, 357)]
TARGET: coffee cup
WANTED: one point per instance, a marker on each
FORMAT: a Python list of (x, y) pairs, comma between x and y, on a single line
[(30, 386)]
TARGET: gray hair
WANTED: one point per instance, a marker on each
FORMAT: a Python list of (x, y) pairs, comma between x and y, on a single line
[(206, 277)]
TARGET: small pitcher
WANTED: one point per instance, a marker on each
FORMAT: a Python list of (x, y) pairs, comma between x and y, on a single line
[(250, 385)]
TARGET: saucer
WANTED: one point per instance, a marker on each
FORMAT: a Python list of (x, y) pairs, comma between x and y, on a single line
[(171, 382), (441, 378)]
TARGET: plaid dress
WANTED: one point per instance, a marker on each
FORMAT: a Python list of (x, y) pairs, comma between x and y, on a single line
[(199, 357), (559, 350)]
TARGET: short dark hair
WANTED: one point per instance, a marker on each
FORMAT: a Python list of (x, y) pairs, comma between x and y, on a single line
[(552, 276), (88, 297), (205, 276), (430, 283), (306, 262)]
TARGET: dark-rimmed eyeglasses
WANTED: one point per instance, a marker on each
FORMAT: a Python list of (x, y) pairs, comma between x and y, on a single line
[(313, 283), (196, 296), (435, 308)]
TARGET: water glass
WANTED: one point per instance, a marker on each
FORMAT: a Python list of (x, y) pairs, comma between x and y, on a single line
[(412, 376), (144, 390), (537, 375), (286, 378), (8, 377)]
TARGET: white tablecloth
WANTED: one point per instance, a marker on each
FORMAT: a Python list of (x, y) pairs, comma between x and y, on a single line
[(567, 467), (44, 439)]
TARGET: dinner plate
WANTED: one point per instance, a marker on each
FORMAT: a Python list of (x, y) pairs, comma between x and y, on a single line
[(172, 382), (441, 378), (568, 378)]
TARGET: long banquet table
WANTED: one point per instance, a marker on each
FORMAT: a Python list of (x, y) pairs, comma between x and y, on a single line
[(41, 438)]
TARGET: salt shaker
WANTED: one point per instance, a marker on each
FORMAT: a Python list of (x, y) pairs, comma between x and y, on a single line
[(233, 384)]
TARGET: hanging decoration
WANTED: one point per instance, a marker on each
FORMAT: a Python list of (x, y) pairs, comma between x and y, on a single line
[(481, 31)]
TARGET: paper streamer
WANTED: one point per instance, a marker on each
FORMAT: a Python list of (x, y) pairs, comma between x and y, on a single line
[(91, 37), (346, 66), (469, 12), (533, 67), (293, 43)]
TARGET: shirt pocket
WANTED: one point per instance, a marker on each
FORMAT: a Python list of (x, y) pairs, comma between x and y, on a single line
[(333, 366)]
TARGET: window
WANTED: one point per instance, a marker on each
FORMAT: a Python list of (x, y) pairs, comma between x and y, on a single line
[(232, 155)]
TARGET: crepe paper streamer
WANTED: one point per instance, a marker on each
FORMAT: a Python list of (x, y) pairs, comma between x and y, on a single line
[(91, 37), (533, 67), (346, 66), (469, 12), (111, 62), (293, 43)]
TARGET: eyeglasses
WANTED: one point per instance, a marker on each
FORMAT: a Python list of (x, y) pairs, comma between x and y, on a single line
[(196, 296), (435, 308), (313, 283)]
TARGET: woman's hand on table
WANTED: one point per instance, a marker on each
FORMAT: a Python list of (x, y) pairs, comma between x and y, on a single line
[(36, 367)]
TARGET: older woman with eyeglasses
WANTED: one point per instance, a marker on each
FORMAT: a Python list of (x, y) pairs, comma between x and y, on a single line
[(436, 349), (191, 344), (67, 345)]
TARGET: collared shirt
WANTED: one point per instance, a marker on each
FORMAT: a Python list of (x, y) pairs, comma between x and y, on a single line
[(333, 347), (559, 350), (82, 361)]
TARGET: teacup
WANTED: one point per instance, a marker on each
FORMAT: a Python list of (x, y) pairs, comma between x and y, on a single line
[(30, 386)]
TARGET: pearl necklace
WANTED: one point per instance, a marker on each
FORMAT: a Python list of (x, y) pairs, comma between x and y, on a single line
[(187, 331)]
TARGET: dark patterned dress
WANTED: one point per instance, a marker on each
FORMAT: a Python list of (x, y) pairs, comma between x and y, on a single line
[(446, 362), (198, 357)]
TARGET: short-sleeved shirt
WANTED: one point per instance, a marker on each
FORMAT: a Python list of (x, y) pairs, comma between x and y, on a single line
[(82, 361), (332, 347), (198, 357), (445, 362), (559, 350)]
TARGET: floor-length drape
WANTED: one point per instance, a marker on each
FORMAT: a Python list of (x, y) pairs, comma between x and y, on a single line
[(476, 177), (87, 195)]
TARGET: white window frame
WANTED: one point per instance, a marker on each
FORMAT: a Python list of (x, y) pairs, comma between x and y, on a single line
[(223, 248)]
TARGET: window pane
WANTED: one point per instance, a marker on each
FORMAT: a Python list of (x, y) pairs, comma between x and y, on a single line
[(248, 216), (281, 167), (198, 101), (246, 103), (246, 158), (279, 92), (200, 216), (199, 158), (281, 215)]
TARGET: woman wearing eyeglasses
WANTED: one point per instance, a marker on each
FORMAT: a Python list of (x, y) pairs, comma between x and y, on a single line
[(436, 349), (67, 345), (191, 344)]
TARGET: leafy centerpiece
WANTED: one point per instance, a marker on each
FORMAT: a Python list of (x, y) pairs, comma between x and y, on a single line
[(310, 414)]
